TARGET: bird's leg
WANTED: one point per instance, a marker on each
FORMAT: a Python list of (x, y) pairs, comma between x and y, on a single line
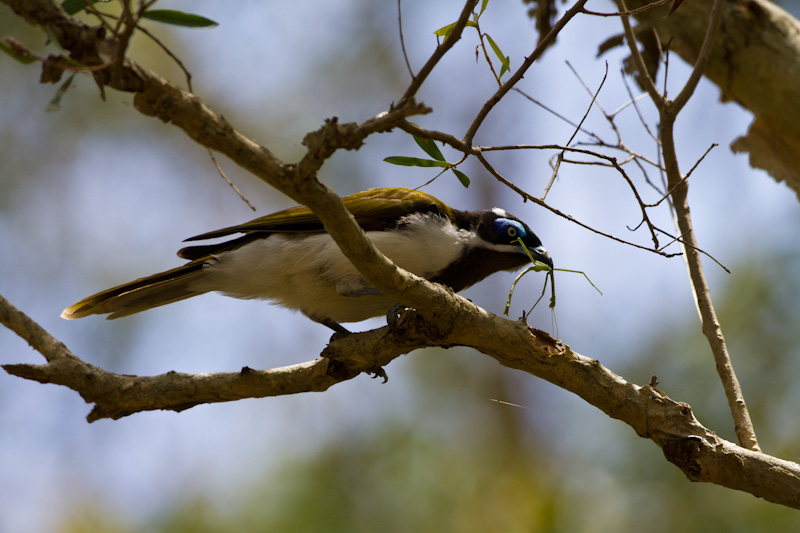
[(340, 331)]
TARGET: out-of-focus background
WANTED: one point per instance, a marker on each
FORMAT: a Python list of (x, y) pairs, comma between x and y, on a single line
[(95, 194)]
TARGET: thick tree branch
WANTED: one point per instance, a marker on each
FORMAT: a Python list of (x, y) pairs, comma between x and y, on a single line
[(696, 450)]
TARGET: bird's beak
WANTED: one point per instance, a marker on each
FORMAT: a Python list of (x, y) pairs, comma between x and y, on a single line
[(540, 254)]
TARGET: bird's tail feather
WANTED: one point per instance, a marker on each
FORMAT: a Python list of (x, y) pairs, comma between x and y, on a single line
[(144, 293)]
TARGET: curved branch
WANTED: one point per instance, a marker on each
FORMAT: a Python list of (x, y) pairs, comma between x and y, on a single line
[(697, 451)]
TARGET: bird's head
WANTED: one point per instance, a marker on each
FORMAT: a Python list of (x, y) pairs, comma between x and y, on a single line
[(492, 247), (500, 231)]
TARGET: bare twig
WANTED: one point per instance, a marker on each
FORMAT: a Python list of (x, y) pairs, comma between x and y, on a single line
[(684, 178), (612, 161), (228, 181), (553, 175), (555, 113), (680, 239), (164, 48), (575, 132), (520, 72), (555, 211), (634, 101), (630, 12), (188, 77), (402, 38), (438, 54), (481, 39), (591, 103)]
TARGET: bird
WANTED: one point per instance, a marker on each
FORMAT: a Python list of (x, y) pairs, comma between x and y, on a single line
[(288, 259)]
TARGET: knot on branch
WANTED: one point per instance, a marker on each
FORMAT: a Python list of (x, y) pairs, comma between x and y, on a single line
[(408, 324), (406, 108), (683, 453), (333, 136)]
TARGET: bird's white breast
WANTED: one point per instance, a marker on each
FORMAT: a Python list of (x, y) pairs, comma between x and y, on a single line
[(309, 273)]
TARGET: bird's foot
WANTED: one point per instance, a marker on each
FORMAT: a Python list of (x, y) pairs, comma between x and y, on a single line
[(339, 331)]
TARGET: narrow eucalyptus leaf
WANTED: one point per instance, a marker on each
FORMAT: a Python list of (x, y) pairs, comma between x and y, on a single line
[(504, 60), (445, 30), (415, 162), (76, 6), (463, 178), (429, 147), (179, 18)]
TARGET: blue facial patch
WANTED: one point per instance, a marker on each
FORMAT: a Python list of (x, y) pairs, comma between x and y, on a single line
[(507, 228)]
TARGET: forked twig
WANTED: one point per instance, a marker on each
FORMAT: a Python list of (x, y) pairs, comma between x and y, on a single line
[(668, 111)]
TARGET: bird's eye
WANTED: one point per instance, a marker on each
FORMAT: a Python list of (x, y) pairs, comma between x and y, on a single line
[(506, 228)]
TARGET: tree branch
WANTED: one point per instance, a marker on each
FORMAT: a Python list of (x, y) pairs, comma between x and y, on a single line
[(668, 112), (541, 46), (696, 450), (438, 54)]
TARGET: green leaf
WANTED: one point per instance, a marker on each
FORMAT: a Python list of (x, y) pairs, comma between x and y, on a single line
[(21, 55), (76, 6), (415, 162), (55, 102), (463, 178), (430, 148), (504, 60), (446, 30), (483, 7), (179, 18)]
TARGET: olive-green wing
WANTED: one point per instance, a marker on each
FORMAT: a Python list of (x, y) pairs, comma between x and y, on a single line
[(371, 208)]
